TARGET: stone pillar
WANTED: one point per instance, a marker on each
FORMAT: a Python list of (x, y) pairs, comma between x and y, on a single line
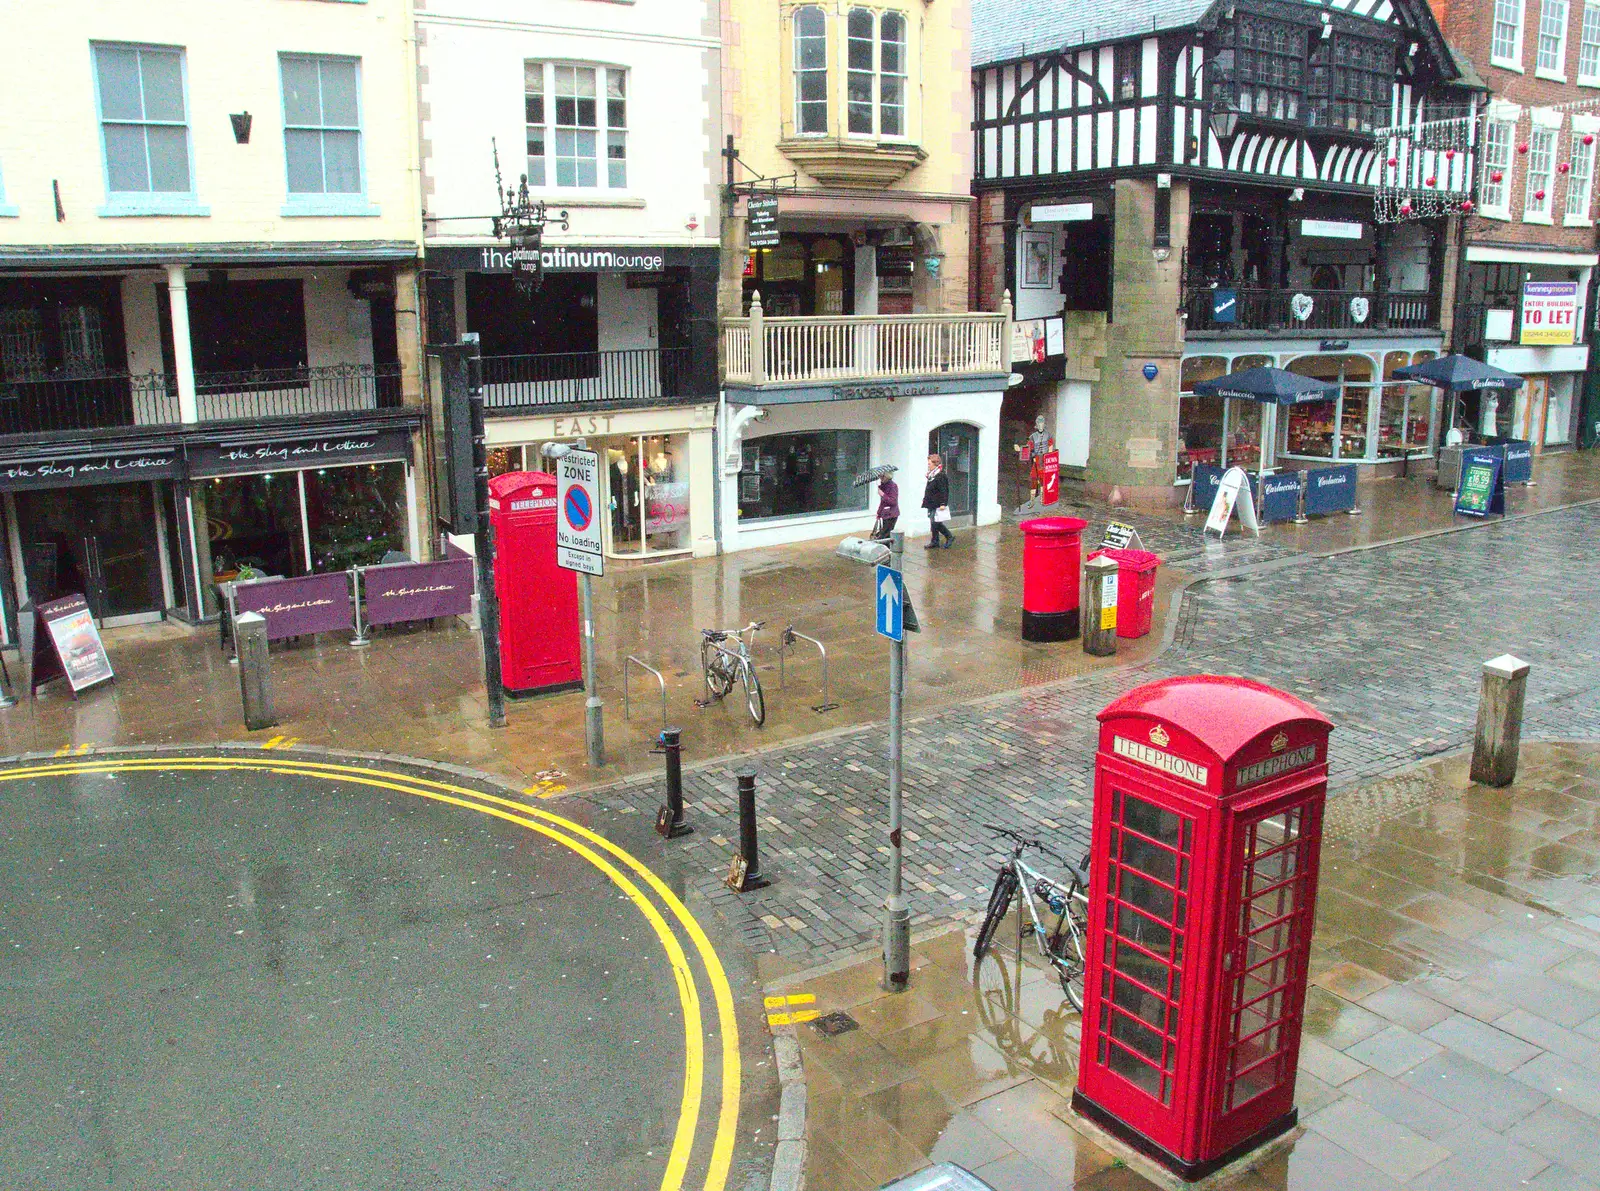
[(1133, 419), (255, 675), (1100, 607), (1499, 733), (1450, 276), (990, 240), (182, 349), (408, 335)]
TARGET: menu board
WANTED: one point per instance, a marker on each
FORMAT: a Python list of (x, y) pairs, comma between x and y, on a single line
[(1482, 488), (67, 644)]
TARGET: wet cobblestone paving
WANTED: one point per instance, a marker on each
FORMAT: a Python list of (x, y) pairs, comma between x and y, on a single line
[(1388, 642)]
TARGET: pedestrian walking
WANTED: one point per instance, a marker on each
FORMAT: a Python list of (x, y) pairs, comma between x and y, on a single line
[(936, 499), (888, 509)]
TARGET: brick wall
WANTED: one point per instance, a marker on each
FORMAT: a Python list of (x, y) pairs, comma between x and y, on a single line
[(1469, 27), (988, 263)]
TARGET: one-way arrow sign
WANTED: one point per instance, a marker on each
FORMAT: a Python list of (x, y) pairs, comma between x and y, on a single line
[(891, 603)]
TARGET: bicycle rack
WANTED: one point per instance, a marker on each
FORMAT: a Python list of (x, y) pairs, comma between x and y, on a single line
[(643, 665), (790, 635)]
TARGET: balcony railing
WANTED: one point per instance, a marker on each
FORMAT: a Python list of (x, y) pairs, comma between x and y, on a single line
[(585, 378), (759, 350), (63, 404), (1208, 309)]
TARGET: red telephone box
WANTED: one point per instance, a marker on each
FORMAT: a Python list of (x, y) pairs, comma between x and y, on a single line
[(540, 649), (1207, 828)]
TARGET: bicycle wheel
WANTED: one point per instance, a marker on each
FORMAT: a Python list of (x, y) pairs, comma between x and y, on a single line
[(1005, 888), (753, 698), (1067, 944), (719, 678)]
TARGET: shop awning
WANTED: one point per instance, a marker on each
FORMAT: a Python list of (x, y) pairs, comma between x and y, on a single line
[(1459, 373), (1271, 385)]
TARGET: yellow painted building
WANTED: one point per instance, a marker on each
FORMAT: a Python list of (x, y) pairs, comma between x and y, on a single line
[(869, 106), (209, 242)]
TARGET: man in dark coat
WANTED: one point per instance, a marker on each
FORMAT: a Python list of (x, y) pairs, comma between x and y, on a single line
[(936, 499)]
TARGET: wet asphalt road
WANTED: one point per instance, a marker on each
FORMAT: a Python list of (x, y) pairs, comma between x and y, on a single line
[(242, 980)]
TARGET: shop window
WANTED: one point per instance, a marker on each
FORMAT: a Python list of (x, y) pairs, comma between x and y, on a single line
[(1331, 429), (792, 475), (1558, 411), (252, 521), (560, 318), (356, 515), (1199, 418), (1405, 415), (70, 327), (239, 326)]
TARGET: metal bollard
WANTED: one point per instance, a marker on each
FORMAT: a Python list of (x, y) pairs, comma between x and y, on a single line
[(1100, 608), (255, 673), (744, 874), (670, 821), (1499, 733)]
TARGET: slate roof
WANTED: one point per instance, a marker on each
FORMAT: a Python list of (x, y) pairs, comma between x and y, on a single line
[(1007, 29)]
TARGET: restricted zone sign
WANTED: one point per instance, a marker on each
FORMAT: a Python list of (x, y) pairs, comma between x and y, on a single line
[(578, 512)]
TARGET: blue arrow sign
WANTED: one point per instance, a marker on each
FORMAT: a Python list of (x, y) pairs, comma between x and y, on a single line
[(891, 599)]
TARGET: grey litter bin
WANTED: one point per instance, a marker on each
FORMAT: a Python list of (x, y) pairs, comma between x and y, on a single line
[(946, 1176)]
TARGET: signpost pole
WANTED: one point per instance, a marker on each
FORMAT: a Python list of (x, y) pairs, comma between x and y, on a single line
[(594, 728), (897, 915), (483, 541)]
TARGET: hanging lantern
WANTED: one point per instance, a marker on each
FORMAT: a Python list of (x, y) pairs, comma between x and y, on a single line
[(1449, 154), (1393, 161), (1430, 180), (1405, 207), (1588, 138), (1497, 176), (1539, 194), (1523, 148), (1466, 206), (1564, 167)]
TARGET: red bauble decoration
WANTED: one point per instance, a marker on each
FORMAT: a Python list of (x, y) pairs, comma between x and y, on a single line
[(1522, 148), (1466, 205), (1393, 161), (1497, 176), (1430, 180), (1449, 154), (1539, 194), (1564, 167), (1405, 208), (1588, 138)]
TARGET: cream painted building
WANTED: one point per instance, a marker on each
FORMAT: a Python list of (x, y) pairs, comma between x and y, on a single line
[(209, 243), (610, 112), (849, 126)]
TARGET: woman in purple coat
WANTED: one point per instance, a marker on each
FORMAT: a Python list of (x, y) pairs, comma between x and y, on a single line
[(888, 509)]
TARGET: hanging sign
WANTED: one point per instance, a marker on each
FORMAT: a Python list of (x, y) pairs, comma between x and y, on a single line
[(1360, 307), (1224, 305), (1050, 471), (1119, 536), (761, 212), (1549, 312), (66, 644), (1223, 505), (1301, 306), (1481, 490)]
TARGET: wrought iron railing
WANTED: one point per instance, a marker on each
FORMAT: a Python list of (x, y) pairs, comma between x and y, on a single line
[(290, 392), (585, 378), (47, 405), (1231, 308)]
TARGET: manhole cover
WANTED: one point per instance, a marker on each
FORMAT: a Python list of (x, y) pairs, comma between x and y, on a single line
[(835, 1023)]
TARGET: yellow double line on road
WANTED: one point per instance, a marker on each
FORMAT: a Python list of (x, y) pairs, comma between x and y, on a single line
[(585, 843)]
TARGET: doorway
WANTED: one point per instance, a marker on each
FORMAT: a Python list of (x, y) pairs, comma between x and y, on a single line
[(956, 444), (101, 541)]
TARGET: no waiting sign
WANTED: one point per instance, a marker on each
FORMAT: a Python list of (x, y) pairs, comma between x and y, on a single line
[(578, 512)]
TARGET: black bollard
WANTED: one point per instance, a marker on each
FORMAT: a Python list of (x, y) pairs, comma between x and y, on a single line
[(670, 822), (744, 874)]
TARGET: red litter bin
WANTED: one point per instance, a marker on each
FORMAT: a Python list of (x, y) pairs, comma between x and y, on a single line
[(1051, 556), (1136, 589)]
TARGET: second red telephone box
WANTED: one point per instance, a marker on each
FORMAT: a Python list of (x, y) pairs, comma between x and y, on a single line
[(540, 647), (1208, 805)]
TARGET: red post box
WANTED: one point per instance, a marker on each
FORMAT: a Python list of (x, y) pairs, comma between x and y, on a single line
[(1208, 804), (1051, 549), (540, 649), (1136, 589)]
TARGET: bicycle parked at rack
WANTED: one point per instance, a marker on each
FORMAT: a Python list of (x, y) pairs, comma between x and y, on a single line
[(724, 664), (1065, 944)]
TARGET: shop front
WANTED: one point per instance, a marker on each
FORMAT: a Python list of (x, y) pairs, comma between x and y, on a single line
[(1374, 420), (299, 505), (657, 479), (101, 522)]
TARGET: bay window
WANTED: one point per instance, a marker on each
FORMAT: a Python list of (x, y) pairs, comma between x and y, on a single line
[(810, 70), (1285, 71), (876, 76), (577, 120)]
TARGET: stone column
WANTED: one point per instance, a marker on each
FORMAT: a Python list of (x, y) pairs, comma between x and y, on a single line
[(1498, 738), (408, 335), (182, 349)]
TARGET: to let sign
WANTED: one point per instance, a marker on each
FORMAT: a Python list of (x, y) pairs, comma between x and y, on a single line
[(1549, 312)]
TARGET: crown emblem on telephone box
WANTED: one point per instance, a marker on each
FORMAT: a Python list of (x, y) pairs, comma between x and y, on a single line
[(1159, 737)]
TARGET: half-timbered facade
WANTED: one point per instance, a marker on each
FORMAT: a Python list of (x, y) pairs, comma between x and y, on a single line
[(1197, 187)]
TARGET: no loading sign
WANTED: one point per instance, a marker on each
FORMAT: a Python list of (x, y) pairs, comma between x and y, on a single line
[(577, 528)]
